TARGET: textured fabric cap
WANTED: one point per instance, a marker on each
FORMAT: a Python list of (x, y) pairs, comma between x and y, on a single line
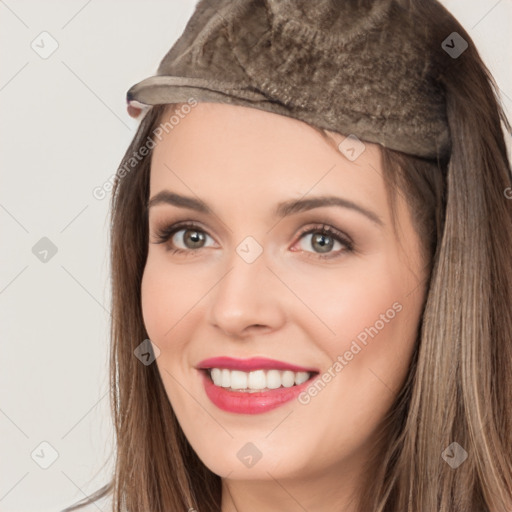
[(356, 67)]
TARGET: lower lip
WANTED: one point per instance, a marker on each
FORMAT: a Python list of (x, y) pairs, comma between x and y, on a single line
[(250, 403)]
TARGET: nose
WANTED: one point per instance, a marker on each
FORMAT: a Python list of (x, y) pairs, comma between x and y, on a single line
[(248, 299)]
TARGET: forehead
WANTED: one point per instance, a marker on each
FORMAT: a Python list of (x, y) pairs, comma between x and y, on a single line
[(223, 152)]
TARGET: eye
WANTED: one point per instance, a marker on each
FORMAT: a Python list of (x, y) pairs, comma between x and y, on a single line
[(192, 237), (323, 239)]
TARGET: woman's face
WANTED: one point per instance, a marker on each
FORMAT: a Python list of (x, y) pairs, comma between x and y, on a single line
[(256, 279)]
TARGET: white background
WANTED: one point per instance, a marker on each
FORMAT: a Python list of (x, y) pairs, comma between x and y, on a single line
[(64, 129)]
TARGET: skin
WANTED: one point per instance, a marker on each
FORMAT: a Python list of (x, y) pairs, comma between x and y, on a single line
[(289, 304)]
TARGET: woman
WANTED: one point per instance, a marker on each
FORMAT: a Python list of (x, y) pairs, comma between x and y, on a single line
[(311, 236)]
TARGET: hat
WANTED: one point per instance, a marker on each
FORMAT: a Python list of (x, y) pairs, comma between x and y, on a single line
[(356, 67)]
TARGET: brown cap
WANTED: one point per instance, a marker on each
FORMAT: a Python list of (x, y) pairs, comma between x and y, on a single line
[(356, 67)]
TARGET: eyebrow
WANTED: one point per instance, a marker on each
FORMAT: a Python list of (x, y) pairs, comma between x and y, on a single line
[(283, 209)]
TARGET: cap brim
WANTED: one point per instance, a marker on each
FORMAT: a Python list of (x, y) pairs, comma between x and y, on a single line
[(158, 90)]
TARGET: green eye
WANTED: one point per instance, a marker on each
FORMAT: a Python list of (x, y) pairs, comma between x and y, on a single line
[(323, 240)]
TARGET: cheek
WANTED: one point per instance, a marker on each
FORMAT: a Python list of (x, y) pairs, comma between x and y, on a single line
[(155, 301), (167, 309), (168, 296), (369, 317), (374, 319)]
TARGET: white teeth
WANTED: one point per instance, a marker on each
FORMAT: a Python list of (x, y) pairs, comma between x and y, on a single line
[(257, 379), (301, 377), (225, 379), (216, 375), (288, 379), (273, 379), (238, 380)]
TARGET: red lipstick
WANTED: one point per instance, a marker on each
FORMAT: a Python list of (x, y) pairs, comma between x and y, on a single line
[(255, 402), (254, 363)]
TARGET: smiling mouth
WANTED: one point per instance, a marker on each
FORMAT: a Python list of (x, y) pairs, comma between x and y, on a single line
[(256, 381)]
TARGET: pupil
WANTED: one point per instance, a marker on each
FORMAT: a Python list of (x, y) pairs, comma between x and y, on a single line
[(320, 238), (194, 237)]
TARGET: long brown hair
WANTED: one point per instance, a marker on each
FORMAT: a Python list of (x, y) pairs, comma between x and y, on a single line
[(459, 386)]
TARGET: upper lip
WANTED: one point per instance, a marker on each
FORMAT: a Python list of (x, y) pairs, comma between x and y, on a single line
[(254, 363)]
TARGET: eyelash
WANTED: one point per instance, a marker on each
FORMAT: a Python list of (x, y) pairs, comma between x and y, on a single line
[(163, 235)]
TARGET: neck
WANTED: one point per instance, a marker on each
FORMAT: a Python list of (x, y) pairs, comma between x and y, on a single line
[(327, 491)]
